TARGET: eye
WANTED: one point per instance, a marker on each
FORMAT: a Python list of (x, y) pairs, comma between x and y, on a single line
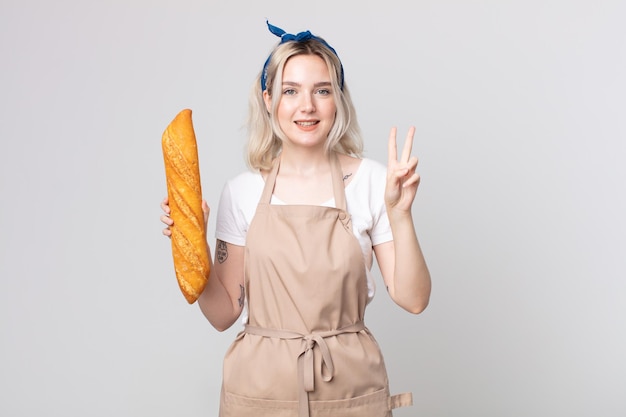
[(323, 91), (289, 91)]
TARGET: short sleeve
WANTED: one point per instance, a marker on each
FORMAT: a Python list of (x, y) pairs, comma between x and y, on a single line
[(237, 205), (231, 225), (381, 229)]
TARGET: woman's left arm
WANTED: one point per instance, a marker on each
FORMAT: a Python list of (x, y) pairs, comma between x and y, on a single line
[(401, 261)]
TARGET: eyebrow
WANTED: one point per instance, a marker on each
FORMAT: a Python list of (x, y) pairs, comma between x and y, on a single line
[(319, 84)]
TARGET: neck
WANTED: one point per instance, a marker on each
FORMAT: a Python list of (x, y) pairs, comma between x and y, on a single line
[(303, 162)]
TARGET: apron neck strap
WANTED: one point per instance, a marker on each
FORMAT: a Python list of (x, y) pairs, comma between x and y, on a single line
[(338, 188), (337, 176)]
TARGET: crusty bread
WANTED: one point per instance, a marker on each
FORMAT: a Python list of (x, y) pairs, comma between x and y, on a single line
[(182, 171)]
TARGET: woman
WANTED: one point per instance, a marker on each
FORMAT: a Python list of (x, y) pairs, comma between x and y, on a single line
[(296, 237)]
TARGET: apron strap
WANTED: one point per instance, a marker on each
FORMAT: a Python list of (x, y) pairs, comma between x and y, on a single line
[(268, 189), (306, 365), (401, 400), (338, 187), (337, 175)]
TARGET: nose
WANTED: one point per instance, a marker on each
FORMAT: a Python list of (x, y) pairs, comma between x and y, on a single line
[(307, 105)]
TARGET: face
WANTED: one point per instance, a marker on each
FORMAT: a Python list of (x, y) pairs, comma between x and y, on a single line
[(306, 110)]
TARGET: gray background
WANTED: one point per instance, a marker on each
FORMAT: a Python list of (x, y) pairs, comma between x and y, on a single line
[(519, 108)]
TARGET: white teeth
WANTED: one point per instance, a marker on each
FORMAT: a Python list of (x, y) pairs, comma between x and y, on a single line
[(306, 123)]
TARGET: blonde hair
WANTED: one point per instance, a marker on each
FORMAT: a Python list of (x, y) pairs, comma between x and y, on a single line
[(265, 135)]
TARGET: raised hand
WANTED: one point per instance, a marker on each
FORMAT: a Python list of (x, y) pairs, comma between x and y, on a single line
[(402, 179)]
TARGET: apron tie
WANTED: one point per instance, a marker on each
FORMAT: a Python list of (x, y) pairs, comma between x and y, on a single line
[(305, 360), (306, 364)]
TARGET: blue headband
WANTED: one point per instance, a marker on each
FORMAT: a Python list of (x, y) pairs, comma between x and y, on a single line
[(288, 37)]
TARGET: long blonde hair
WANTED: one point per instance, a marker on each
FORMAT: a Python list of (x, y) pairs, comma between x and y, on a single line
[(265, 135)]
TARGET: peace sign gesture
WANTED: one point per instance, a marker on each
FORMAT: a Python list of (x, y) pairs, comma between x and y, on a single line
[(402, 180)]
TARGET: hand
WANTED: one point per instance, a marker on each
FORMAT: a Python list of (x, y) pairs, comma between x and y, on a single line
[(402, 180), (205, 211), (165, 217), (167, 220)]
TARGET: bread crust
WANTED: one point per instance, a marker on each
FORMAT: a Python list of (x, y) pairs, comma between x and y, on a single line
[(184, 191)]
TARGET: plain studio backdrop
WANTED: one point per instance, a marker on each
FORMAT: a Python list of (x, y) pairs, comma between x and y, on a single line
[(520, 109)]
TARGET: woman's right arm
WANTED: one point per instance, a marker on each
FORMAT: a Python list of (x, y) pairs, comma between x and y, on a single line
[(222, 300)]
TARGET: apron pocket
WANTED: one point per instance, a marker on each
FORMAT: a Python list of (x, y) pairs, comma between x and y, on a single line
[(376, 404)]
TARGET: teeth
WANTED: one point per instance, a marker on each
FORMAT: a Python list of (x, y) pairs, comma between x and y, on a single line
[(306, 123)]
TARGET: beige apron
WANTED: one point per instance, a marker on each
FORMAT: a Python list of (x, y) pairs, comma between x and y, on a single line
[(305, 351)]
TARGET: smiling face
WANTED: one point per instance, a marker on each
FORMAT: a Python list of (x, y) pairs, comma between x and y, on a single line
[(306, 108)]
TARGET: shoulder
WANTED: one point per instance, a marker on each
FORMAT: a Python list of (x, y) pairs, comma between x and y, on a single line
[(245, 179), (362, 168), (373, 167), (242, 191), (237, 205), (371, 174), (368, 184), (365, 196)]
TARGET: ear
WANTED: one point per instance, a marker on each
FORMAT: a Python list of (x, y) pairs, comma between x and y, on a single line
[(268, 101)]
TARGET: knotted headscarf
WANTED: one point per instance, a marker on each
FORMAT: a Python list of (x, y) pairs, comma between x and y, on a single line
[(299, 37)]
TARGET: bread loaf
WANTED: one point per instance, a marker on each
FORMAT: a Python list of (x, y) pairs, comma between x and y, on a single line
[(182, 171)]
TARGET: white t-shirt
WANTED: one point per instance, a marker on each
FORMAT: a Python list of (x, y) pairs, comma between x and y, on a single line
[(364, 200)]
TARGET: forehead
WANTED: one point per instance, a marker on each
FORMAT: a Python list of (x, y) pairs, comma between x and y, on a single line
[(301, 68)]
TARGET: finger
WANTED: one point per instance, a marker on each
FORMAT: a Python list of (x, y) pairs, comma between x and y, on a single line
[(165, 205), (167, 220), (167, 232), (391, 147), (408, 144), (404, 170), (412, 163), (205, 211), (398, 176), (412, 180)]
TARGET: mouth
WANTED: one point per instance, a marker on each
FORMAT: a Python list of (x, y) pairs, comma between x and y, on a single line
[(307, 123)]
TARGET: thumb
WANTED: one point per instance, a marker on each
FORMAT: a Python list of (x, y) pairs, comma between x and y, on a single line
[(205, 210)]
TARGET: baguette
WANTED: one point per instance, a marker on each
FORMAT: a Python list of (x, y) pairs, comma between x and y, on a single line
[(184, 191)]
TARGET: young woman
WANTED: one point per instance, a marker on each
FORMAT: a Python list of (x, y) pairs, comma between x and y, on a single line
[(296, 238)]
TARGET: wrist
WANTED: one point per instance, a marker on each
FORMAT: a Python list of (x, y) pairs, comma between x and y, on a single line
[(399, 215)]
